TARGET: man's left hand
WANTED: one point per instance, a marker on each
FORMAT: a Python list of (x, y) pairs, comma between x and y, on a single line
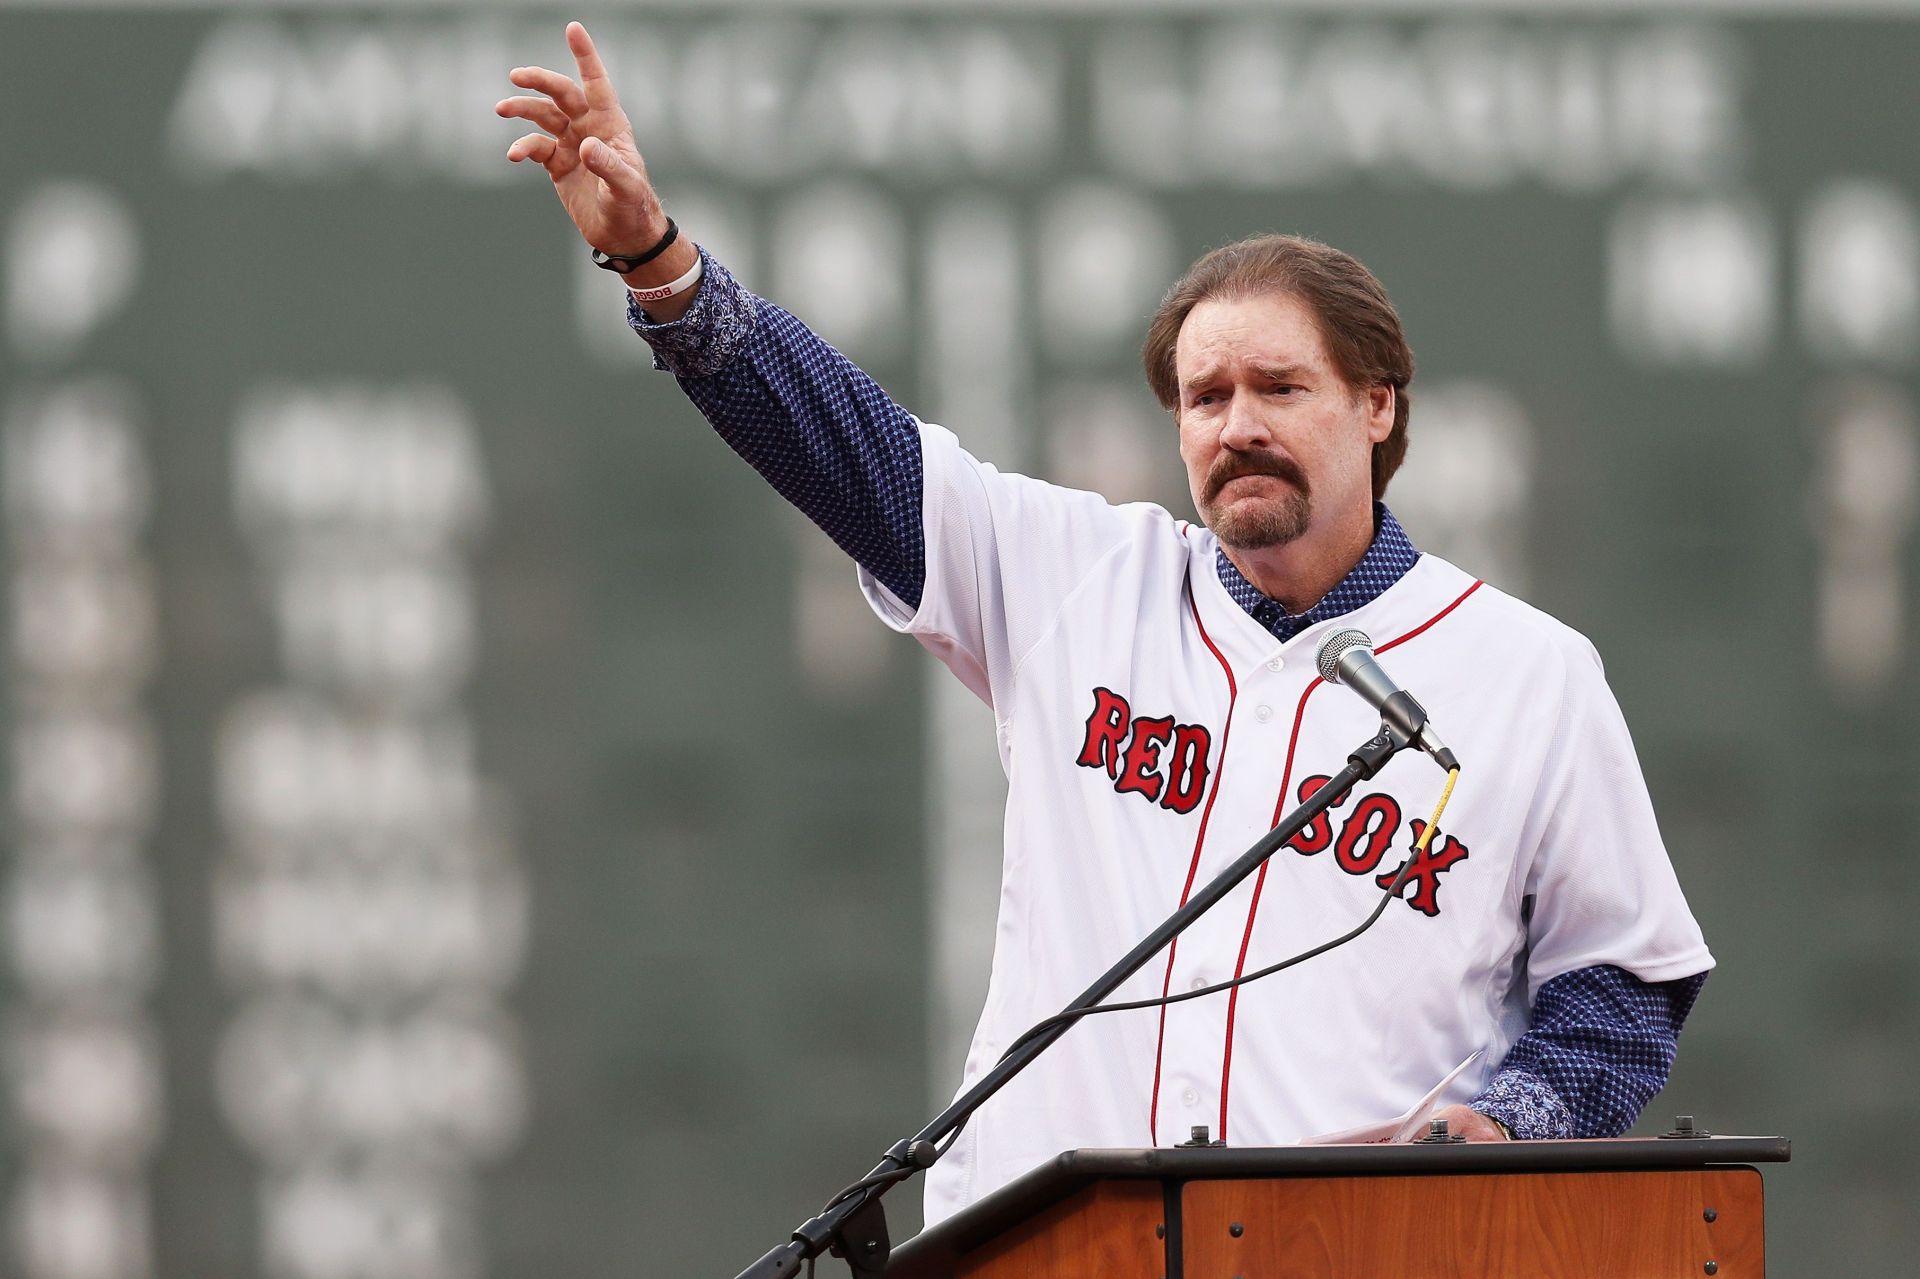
[(1471, 1124)]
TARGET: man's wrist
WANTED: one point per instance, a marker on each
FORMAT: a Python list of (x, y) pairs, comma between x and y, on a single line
[(1525, 1104), (675, 262), (626, 263), (702, 337), (671, 289), (682, 257)]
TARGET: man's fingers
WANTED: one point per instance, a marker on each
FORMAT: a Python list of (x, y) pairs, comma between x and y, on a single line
[(1464, 1121), (541, 111), (593, 72), (534, 146), (605, 163), (556, 86)]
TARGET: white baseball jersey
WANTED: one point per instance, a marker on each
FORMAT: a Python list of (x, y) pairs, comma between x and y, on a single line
[(1152, 731)]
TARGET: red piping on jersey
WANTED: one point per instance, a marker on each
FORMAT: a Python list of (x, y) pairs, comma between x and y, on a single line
[(1193, 866), (1279, 811)]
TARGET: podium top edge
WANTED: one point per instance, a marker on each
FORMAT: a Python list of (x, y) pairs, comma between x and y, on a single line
[(1596, 1154), (1072, 1170), (1516, 1156)]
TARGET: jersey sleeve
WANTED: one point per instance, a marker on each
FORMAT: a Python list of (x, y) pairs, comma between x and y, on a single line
[(1004, 555), (1600, 888)]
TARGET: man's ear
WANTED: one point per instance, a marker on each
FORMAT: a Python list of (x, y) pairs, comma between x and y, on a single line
[(1382, 400)]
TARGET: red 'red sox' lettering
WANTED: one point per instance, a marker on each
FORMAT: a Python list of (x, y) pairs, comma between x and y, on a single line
[(1364, 838), (1166, 763), (1149, 756)]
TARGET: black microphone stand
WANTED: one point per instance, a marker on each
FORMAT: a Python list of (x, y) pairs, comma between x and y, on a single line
[(854, 1225)]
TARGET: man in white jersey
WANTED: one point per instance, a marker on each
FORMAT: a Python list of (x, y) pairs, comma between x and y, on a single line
[(1157, 708)]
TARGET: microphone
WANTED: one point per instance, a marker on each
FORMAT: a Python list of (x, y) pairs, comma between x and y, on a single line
[(1346, 657)]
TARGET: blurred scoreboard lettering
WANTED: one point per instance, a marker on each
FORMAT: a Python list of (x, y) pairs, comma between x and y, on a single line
[(459, 823)]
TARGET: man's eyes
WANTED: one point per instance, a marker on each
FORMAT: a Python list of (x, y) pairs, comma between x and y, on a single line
[(1207, 399), (1220, 395)]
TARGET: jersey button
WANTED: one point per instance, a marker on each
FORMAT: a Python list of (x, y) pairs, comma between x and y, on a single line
[(1275, 664), (1190, 1097), (1263, 713), (1198, 983)]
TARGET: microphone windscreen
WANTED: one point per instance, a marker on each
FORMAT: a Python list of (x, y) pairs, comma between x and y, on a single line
[(1336, 646)]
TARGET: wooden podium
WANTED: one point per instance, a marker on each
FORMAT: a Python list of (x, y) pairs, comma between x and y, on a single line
[(1619, 1209)]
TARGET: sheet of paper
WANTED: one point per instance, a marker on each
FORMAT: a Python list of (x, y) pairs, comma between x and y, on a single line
[(1400, 1127)]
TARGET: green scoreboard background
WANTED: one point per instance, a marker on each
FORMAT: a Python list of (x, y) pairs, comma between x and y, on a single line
[(460, 823)]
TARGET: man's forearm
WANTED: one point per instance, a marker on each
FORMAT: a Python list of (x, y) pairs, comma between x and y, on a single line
[(1601, 1046), (815, 426)]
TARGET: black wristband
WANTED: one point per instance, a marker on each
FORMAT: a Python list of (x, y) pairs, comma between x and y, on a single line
[(613, 262)]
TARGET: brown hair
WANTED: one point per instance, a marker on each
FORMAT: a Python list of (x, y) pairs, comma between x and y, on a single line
[(1357, 322)]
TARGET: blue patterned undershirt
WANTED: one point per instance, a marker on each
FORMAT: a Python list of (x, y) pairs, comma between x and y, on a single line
[(835, 445), (1385, 562)]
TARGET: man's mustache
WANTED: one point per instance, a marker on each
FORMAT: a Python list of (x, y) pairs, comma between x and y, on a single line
[(1233, 466)]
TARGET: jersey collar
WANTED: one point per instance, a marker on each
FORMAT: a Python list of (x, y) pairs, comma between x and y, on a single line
[(1387, 560)]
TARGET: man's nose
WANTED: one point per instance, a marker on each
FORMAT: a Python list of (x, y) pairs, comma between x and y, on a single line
[(1245, 426)]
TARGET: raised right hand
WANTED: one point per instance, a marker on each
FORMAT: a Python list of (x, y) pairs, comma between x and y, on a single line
[(587, 148)]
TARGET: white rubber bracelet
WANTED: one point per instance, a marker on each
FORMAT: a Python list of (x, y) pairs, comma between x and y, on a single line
[(680, 285)]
